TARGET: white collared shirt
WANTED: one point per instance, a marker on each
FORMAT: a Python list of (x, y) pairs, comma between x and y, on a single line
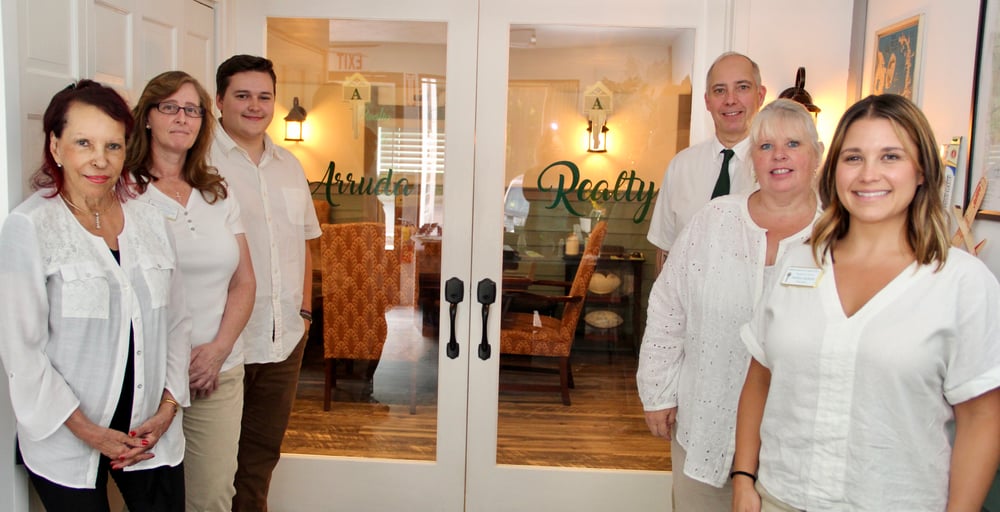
[(68, 307), (208, 254), (688, 183), (277, 211), (857, 413), (691, 355)]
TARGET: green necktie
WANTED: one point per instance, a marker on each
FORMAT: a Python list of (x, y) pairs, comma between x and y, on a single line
[(722, 184)]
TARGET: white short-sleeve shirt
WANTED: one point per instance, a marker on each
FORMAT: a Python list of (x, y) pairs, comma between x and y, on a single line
[(208, 255), (857, 412), (688, 183), (277, 211)]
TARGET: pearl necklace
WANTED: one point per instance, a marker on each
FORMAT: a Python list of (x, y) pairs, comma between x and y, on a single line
[(95, 213)]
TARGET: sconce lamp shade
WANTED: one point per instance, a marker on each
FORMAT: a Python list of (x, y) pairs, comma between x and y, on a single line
[(798, 92), (293, 122), (598, 144)]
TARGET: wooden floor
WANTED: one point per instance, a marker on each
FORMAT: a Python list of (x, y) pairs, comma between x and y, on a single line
[(603, 428)]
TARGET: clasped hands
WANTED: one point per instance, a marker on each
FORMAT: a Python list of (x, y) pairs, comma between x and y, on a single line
[(125, 449)]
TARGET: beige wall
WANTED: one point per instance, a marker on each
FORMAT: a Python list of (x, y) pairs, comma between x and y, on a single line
[(784, 35)]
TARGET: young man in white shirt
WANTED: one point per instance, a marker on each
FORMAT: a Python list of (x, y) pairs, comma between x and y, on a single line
[(733, 94), (277, 212)]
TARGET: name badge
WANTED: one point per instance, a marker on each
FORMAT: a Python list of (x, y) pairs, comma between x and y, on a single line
[(802, 276)]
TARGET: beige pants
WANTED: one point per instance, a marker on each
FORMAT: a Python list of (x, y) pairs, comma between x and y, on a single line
[(769, 503), (690, 495), (212, 434)]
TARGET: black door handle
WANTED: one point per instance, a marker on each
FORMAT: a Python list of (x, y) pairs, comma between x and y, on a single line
[(487, 294), (454, 292)]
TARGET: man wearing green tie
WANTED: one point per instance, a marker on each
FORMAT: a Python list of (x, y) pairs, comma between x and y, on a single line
[(719, 165)]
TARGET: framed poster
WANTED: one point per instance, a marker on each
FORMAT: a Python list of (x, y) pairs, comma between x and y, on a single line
[(984, 149), (897, 58)]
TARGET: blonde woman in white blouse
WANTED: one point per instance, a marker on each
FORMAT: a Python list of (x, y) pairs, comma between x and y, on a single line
[(692, 363)]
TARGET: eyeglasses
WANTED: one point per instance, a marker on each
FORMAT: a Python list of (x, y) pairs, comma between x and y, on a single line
[(173, 108)]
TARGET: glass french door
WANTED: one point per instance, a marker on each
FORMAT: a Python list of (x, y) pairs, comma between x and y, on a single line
[(488, 139)]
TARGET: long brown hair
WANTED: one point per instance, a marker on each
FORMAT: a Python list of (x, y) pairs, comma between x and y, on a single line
[(925, 220), (196, 171)]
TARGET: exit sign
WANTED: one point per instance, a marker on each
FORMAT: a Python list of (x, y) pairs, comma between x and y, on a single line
[(350, 61)]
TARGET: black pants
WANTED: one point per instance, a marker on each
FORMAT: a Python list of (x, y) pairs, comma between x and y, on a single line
[(150, 490)]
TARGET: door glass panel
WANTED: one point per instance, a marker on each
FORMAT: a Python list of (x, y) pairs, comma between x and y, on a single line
[(373, 151), (594, 116)]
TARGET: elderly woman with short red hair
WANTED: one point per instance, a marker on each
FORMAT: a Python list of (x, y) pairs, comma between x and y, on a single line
[(94, 334)]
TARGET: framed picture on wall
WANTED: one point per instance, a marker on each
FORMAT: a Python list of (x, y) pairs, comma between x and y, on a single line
[(897, 58), (984, 150)]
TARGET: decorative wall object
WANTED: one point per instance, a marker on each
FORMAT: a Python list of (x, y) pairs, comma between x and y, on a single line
[(897, 59), (984, 148)]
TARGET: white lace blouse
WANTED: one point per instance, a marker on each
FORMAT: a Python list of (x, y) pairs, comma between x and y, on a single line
[(66, 307), (691, 356)]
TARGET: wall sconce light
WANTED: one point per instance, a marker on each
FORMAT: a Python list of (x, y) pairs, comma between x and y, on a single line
[(597, 104), (293, 122), (597, 142), (799, 93)]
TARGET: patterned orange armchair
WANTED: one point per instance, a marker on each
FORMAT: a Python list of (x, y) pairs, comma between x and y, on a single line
[(360, 284), (520, 334)]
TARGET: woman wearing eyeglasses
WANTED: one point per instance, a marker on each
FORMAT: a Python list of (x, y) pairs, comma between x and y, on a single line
[(167, 157)]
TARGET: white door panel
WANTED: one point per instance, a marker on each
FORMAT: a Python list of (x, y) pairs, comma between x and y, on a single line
[(51, 57), (113, 46), (159, 48), (197, 55)]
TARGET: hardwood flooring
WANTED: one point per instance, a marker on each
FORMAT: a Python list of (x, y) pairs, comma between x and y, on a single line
[(604, 428)]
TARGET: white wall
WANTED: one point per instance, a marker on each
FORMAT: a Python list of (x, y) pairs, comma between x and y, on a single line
[(946, 73), (815, 34)]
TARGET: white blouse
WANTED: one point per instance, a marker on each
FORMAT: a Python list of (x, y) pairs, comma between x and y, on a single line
[(208, 254), (67, 308), (691, 355), (858, 410)]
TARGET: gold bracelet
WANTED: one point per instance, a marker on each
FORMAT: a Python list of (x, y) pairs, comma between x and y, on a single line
[(173, 402)]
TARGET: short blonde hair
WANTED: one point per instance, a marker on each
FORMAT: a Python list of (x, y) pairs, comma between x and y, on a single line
[(795, 115)]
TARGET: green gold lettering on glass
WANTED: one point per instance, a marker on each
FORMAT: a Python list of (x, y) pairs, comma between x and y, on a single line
[(628, 188), (381, 115), (362, 185)]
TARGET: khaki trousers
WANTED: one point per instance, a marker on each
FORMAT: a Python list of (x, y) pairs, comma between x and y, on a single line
[(690, 495), (212, 434)]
